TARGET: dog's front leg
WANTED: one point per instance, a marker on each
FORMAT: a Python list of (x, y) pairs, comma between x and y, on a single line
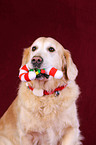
[(31, 139), (26, 139), (71, 137)]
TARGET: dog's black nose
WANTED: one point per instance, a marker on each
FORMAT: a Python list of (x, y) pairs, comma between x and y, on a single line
[(37, 61)]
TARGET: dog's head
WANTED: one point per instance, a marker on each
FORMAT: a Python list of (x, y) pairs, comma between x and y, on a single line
[(47, 52)]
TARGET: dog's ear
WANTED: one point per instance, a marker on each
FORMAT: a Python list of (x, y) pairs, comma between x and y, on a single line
[(70, 67), (26, 54)]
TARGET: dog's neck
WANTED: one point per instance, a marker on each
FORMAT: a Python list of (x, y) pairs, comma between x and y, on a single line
[(48, 85)]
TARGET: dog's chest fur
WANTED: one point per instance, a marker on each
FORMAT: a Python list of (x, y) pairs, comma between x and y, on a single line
[(46, 117), (44, 125)]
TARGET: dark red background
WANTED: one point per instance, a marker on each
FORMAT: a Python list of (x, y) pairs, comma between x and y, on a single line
[(72, 23)]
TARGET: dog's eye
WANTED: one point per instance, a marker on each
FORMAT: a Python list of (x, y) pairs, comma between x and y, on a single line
[(51, 49), (34, 48)]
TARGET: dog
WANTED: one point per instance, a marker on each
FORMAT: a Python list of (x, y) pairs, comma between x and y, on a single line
[(44, 119)]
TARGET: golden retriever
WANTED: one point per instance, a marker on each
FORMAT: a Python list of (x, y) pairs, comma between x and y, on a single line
[(50, 119)]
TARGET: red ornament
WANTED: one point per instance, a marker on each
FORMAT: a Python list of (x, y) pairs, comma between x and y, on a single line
[(42, 71)]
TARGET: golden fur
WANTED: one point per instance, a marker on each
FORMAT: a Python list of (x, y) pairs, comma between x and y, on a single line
[(46, 120)]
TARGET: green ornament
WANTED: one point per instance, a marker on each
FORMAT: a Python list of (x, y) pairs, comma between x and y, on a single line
[(31, 69)]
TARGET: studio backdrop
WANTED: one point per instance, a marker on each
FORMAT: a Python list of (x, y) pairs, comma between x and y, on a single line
[(72, 23)]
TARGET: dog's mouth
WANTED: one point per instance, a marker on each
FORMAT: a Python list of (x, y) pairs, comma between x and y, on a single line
[(41, 76)]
